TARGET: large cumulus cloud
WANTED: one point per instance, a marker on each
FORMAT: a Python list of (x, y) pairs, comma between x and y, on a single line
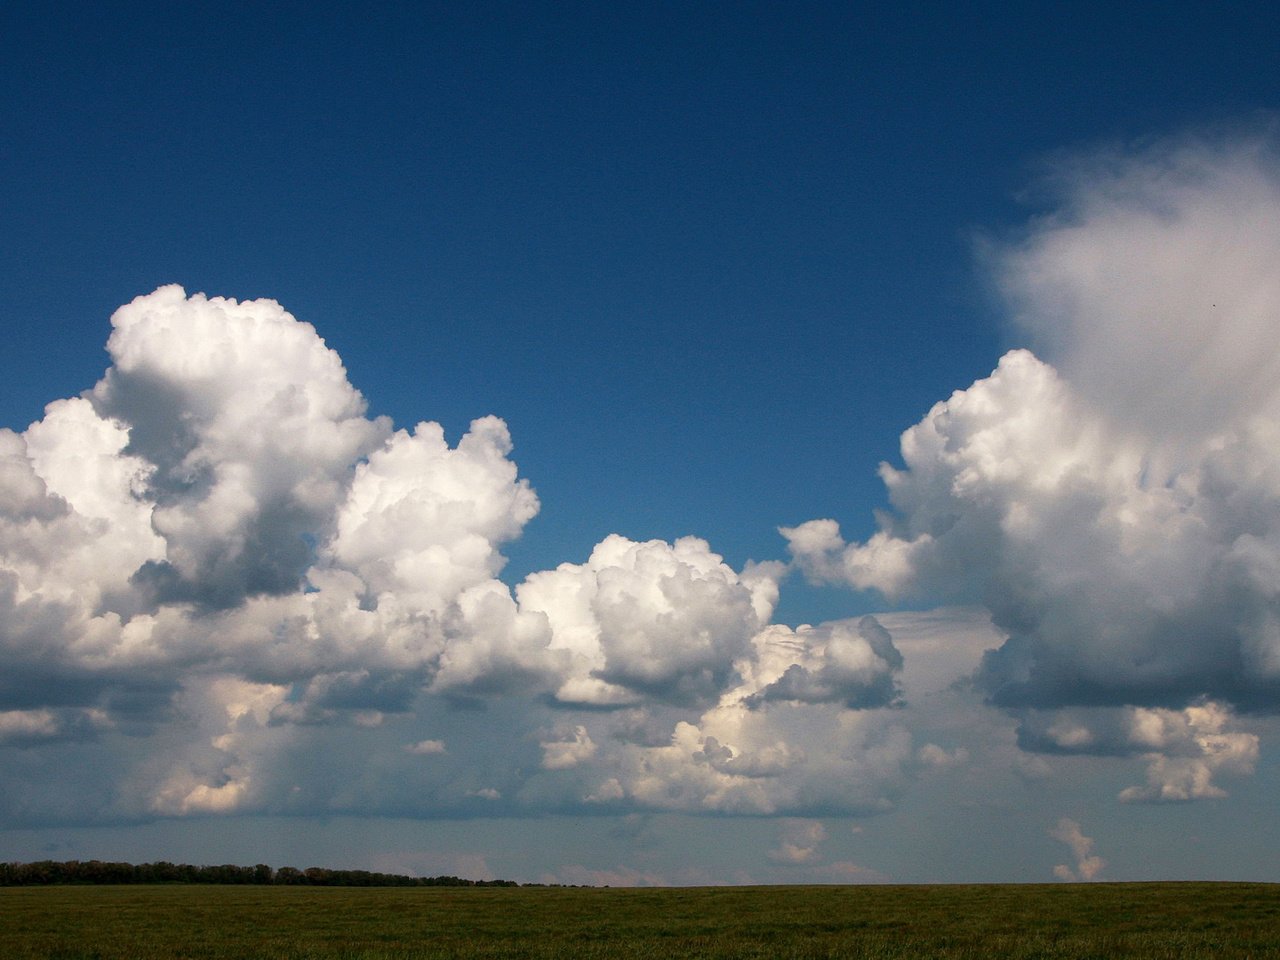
[(215, 567), (1116, 507)]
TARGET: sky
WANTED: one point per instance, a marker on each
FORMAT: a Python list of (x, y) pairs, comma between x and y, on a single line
[(642, 444)]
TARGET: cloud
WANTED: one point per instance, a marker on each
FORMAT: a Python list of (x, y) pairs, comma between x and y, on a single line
[(839, 662), (784, 758), (936, 757), (423, 521), (426, 748), (563, 754), (650, 620), (224, 770), (799, 842), (1187, 750), (1087, 864), (1152, 287), (249, 429), (1184, 749), (1117, 510), (215, 567), (34, 727)]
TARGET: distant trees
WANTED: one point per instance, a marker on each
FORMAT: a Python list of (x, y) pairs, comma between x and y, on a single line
[(45, 872)]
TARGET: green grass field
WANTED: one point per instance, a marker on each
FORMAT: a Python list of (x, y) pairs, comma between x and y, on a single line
[(293, 923)]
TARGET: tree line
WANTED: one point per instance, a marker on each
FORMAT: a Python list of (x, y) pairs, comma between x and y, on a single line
[(46, 872)]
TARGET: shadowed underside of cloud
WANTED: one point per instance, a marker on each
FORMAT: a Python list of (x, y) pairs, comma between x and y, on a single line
[(215, 552)]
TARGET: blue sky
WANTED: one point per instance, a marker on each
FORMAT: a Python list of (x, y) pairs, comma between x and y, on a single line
[(706, 264)]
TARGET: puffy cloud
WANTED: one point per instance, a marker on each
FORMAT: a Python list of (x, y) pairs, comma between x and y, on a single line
[(1088, 865), (33, 727), (1184, 749), (224, 771), (562, 754), (650, 619), (1117, 512), (423, 521), (214, 567), (1187, 751), (799, 842), (748, 754), (607, 792), (781, 758), (250, 428), (838, 662)]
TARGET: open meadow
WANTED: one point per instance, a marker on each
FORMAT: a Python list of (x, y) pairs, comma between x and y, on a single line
[(299, 923)]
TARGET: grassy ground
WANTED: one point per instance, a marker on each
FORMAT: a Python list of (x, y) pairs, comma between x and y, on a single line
[(299, 923)]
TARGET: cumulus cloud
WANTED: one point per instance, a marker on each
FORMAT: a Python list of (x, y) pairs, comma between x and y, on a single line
[(650, 620), (1087, 864), (854, 663), (562, 754), (216, 553), (1116, 507), (224, 769), (786, 757), (1184, 749), (34, 727), (764, 747), (799, 842), (249, 429)]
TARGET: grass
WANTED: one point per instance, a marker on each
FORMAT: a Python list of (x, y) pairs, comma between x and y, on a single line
[(1147, 921)]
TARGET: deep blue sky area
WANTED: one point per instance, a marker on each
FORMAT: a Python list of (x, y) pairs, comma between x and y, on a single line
[(648, 236)]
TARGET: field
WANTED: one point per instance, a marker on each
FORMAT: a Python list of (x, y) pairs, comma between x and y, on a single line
[(306, 923)]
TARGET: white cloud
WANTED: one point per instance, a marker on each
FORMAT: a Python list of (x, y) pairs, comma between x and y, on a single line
[(1187, 749), (649, 620), (216, 554), (1153, 287), (423, 521), (426, 748), (780, 758), (846, 661), (250, 428), (932, 755), (223, 771), (27, 723), (607, 792), (799, 842), (563, 754), (1087, 864), (1184, 749), (1119, 513)]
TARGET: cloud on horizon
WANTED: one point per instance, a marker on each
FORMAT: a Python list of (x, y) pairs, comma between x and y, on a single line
[(225, 588), (216, 553)]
